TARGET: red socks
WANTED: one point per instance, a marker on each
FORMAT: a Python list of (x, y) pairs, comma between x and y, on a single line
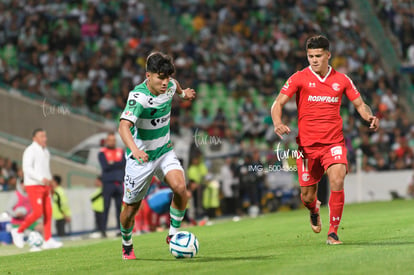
[(311, 206), (336, 206)]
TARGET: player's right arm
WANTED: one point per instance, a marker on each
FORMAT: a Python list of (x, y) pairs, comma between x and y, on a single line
[(125, 133), (276, 113), (133, 108)]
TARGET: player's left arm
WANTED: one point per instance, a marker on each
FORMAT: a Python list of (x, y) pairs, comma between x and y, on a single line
[(188, 94), (366, 113)]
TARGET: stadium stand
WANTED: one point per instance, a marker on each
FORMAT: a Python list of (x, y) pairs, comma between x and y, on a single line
[(10, 174), (89, 54), (266, 38), (398, 16)]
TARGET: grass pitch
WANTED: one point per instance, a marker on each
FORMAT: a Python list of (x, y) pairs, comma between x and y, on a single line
[(378, 239)]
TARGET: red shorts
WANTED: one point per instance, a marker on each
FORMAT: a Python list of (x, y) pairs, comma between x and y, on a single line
[(316, 159)]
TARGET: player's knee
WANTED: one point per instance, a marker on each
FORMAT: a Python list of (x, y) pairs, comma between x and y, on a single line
[(337, 183), (130, 214), (130, 211), (308, 198), (181, 190)]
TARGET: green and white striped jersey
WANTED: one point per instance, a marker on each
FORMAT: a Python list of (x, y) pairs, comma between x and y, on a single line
[(150, 115)]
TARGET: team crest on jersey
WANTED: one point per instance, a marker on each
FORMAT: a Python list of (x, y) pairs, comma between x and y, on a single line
[(128, 193), (169, 92), (336, 87), (305, 177)]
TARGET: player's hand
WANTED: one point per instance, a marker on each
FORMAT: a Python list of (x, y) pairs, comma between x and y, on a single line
[(281, 129), (140, 156), (190, 94), (45, 181), (373, 123)]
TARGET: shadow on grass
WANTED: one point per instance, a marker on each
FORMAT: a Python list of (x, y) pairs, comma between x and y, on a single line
[(199, 259)]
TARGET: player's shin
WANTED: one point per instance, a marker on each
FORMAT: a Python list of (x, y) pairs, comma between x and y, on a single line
[(127, 222), (176, 217), (336, 206), (126, 234)]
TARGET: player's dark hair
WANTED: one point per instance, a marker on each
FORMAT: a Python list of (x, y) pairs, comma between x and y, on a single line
[(317, 42), (58, 179), (37, 130), (160, 63)]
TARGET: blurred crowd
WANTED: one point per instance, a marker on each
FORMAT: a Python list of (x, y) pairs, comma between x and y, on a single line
[(399, 17), (90, 54), (260, 43), (10, 174)]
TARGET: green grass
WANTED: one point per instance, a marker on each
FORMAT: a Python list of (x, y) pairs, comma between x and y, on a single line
[(378, 239)]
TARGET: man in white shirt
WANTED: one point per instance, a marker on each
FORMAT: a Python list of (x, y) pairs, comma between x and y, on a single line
[(37, 179)]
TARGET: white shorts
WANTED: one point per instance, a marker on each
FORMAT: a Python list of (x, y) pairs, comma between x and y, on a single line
[(138, 177)]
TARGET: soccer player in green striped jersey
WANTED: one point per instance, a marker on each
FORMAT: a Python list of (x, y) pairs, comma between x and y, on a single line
[(145, 129)]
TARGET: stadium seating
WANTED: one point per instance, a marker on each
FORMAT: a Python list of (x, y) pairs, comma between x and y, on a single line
[(247, 39)]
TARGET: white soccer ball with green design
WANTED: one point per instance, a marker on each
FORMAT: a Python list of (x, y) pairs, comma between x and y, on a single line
[(184, 244), (35, 239)]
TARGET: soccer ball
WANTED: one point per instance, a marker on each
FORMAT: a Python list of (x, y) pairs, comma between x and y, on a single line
[(35, 239), (184, 245)]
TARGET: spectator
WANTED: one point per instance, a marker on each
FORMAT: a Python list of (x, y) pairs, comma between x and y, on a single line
[(61, 210), (211, 195), (96, 40), (112, 161), (248, 186), (196, 173), (80, 84), (203, 120), (97, 201), (228, 187), (404, 153)]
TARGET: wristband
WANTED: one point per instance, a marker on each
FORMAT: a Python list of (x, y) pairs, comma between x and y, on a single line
[(182, 95)]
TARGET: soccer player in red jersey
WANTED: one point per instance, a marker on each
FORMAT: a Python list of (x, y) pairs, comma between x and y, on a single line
[(319, 89)]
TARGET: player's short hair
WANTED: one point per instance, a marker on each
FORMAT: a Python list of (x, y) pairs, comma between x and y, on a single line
[(37, 130), (160, 63), (317, 42)]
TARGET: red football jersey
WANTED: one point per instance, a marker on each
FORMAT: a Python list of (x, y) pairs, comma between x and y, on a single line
[(319, 101)]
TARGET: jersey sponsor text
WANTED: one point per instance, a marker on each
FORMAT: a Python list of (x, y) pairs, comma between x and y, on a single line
[(327, 99)]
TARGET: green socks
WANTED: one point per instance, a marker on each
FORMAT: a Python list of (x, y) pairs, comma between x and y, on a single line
[(176, 216), (126, 235)]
